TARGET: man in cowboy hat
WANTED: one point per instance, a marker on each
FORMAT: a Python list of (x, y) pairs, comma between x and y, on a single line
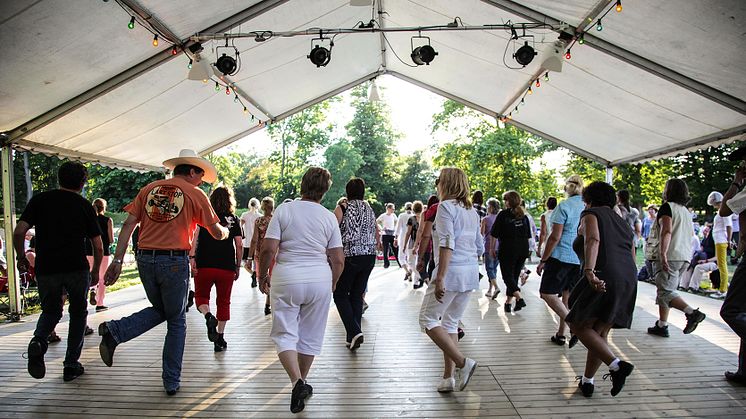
[(168, 212)]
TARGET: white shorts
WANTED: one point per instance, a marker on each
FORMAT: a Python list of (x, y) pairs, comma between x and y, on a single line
[(446, 314), (299, 314)]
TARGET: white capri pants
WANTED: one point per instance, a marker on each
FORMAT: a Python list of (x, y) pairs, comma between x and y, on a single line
[(403, 255), (692, 279), (299, 314), (446, 314)]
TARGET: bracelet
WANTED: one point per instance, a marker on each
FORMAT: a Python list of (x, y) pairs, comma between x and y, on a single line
[(117, 261), (590, 270)]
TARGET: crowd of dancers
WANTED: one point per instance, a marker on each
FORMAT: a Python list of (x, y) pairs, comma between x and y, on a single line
[(302, 256)]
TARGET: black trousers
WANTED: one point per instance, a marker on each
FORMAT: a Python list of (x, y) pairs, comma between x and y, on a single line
[(348, 296), (734, 311), (388, 248), (510, 268)]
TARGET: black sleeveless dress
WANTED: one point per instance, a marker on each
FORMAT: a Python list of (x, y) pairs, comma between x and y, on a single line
[(614, 265)]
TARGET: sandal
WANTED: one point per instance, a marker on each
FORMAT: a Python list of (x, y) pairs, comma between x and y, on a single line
[(559, 339)]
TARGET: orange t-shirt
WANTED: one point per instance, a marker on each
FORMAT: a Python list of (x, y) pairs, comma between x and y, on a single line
[(169, 211)]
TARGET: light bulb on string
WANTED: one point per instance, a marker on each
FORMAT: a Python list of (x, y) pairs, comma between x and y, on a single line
[(516, 110), (530, 92), (131, 25), (245, 111), (510, 115), (227, 90), (155, 40), (174, 50), (189, 66), (581, 40), (618, 6), (523, 101), (217, 86), (546, 76), (235, 99), (538, 83), (568, 55), (599, 26)]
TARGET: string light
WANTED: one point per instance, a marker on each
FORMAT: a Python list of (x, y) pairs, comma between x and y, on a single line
[(599, 26), (174, 50), (523, 101), (568, 55), (155, 40), (530, 92), (510, 115), (581, 40), (227, 90), (189, 66), (235, 99), (538, 83), (245, 111), (546, 76), (516, 110), (217, 86), (131, 25), (618, 6)]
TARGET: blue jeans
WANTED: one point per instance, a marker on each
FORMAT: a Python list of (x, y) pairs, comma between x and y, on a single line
[(166, 282), (490, 265), (51, 288)]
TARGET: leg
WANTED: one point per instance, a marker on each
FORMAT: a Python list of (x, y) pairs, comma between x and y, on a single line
[(76, 284), (289, 361), (734, 312), (445, 342), (595, 340), (343, 298), (721, 251), (50, 296), (304, 363), (563, 329), (359, 285), (510, 278), (387, 247), (101, 286), (223, 289), (202, 286), (174, 282), (403, 256)]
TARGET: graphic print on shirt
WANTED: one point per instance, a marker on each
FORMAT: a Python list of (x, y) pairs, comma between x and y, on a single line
[(164, 203)]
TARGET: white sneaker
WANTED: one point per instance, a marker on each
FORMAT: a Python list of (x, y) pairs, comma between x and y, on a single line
[(464, 374), (446, 385)]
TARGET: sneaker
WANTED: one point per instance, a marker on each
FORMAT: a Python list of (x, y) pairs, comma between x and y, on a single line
[(101, 308), (173, 391), (735, 377), (466, 372), (519, 304), (36, 351), (92, 297), (267, 310), (53, 337), (573, 341), (658, 331), (619, 377), (508, 307), (221, 341), (692, 320), (419, 284), (718, 295), (212, 327), (108, 344), (88, 331), (298, 396), (586, 388), (356, 341), (447, 385), (217, 347), (70, 373), (558, 339)]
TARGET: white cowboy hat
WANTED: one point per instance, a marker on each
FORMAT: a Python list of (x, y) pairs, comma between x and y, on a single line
[(187, 156)]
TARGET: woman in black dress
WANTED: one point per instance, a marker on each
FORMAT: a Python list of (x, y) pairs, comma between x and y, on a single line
[(605, 296), (512, 229)]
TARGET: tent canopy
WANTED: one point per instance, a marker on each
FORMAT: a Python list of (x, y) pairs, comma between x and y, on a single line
[(660, 78)]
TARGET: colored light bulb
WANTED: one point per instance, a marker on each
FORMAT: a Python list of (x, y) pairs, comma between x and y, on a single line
[(227, 90), (217, 86), (189, 66), (235, 99), (155, 40), (581, 40), (568, 55), (174, 50), (245, 111), (599, 26), (530, 92), (131, 25), (538, 83), (619, 6), (546, 76)]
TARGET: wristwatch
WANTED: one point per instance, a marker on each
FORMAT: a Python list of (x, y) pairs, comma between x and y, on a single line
[(117, 261)]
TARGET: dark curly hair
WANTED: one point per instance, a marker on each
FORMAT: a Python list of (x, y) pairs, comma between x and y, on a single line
[(599, 194)]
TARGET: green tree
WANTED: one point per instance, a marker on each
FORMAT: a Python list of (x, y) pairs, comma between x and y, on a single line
[(414, 180), (343, 161), (117, 186)]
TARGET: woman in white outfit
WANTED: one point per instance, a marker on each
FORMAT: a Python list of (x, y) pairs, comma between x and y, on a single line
[(458, 244), (306, 238)]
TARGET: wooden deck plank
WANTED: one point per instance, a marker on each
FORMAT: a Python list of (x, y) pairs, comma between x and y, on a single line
[(394, 373)]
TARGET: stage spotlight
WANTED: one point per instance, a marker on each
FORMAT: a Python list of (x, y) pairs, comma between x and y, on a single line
[(525, 54), (319, 54), (226, 64), (424, 54)]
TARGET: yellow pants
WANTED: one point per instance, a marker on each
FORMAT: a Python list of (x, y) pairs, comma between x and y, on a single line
[(721, 252)]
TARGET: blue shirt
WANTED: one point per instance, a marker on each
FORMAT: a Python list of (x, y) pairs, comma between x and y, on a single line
[(567, 213), (647, 223)]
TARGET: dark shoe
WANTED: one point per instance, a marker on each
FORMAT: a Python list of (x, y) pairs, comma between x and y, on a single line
[(658, 331), (221, 342), (619, 377), (36, 350), (385, 266), (408, 276), (461, 333), (71, 373), (692, 320), (253, 280), (299, 395), (172, 392), (108, 344), (519, 304), (53, 337), (508, 307), (586, 388), (267, 310), (92, 297), (573, 341), (735, 377), (212, 327), (190, 299), (356, 341), (365, 306), (217, 347), (559, 339), (494, 296), (88, 331), (101, 308), (419, 284)]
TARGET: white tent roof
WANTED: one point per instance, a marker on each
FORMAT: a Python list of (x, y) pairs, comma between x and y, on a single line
[(661, 78)]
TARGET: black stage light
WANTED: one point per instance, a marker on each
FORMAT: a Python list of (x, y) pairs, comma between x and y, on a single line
[(226, 64), (424, 54), (524, 55), (320, 56)]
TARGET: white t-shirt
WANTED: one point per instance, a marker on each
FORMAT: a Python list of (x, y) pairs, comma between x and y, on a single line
[(734, 221), (248, 218), (389, 223), (720, 229), (401, 225), (458, 230), (305, 230)]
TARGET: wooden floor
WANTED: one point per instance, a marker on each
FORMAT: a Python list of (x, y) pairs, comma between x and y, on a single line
[(393, 374)]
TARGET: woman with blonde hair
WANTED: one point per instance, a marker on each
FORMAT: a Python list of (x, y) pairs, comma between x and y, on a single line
[(260, 229), (218, 263), (560, 265), (456, 246), (107, 237), (248, 219), (306, 238), (513, 231)]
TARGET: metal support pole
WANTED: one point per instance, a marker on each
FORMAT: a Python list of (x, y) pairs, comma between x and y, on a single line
[(610, 175), (9, 214)]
